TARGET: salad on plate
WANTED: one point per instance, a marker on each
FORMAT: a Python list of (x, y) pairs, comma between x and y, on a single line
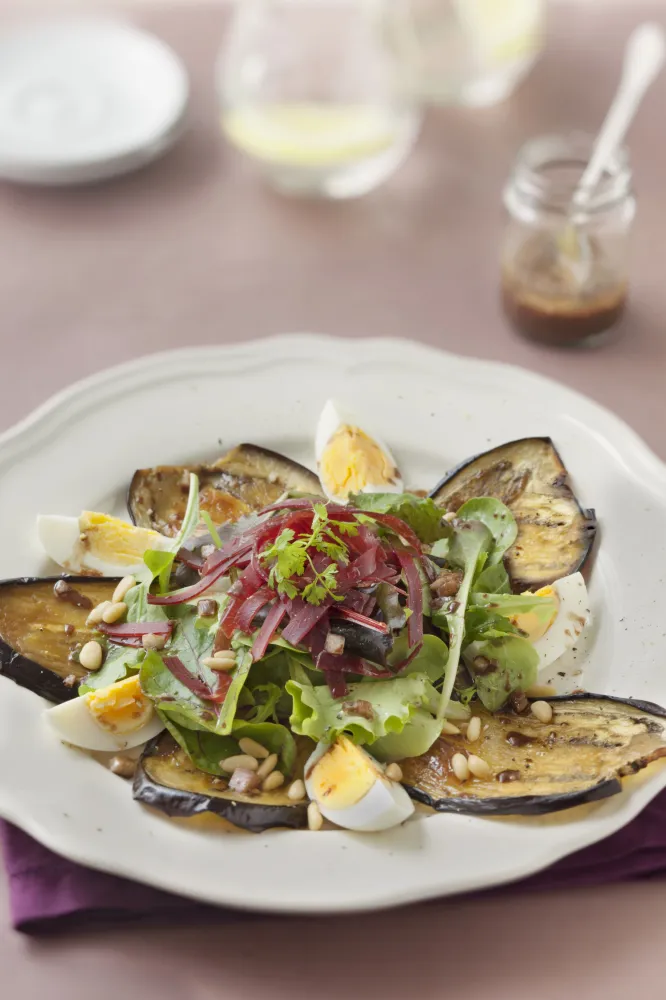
[(288, 649)]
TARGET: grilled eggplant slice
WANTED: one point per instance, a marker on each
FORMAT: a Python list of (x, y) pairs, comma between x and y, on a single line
[(168, 780), (39, 630), (555, 534), (592, 742), (247, 479)]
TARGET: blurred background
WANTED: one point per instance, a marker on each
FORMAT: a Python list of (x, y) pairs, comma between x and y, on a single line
[(201, 172)]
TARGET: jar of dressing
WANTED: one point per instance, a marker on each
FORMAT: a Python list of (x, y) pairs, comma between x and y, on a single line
[(564, 275)]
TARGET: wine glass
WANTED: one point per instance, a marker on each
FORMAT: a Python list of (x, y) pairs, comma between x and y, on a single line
[(309, 91)]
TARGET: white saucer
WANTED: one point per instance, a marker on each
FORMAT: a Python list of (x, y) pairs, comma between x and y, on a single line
[(85, 100)]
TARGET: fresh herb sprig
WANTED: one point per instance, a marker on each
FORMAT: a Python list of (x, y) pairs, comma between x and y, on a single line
[(290, 555)]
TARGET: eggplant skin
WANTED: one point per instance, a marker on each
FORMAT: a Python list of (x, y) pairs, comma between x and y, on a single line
[(190, 792), (246, 479), (555, 534), (34, 648), (580, 756)]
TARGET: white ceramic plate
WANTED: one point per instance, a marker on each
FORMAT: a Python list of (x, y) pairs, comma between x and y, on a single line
[(86, 99), (79, 451)]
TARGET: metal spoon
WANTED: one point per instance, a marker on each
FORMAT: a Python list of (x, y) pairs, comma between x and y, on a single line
[(643, 59)]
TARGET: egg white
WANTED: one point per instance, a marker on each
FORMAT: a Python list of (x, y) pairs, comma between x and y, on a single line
[(332, 417), (571, 618), (60, 537), (74, 723), (384, 805)]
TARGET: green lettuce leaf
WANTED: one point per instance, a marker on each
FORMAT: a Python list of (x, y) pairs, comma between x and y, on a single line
[(160, 562), (499, 521), (206, 749), (430, 660), (317, 714), (469, 546), (121, 661), (481, 624), (416, 738), (514, 665), (493, 580), (422, 514)]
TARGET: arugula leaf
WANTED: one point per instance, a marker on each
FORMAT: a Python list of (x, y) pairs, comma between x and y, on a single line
[(191, 515), (160, 565), (265, 707), (497, 518), (160, 562), (274, 737), (212, 530), (430, 660), (544, 606), (493, 580), (480, 623), (121, 661), (470, 543), (228, 710), (514, 664), (172, 698), (206, 749), (422, 514), (317, 714)]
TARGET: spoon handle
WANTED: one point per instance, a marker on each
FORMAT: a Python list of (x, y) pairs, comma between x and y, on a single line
[(644, 57)]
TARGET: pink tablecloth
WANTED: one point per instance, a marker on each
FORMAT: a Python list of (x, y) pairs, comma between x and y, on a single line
[(195, 251)]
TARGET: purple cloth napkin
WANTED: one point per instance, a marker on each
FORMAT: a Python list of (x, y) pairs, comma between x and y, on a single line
[(48, 894)]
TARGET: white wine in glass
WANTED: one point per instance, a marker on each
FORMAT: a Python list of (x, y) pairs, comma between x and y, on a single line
[(309, 92)]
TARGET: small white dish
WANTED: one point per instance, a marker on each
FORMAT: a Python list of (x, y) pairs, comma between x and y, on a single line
[(85, 100)]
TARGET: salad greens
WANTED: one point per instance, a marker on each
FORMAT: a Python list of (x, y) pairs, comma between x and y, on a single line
[(319, 563), (421, 513)]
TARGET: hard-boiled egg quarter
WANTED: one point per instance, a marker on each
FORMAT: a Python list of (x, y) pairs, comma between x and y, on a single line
[(97, 543), (349, 459), (116, 717), (351, 789), (572, 613)]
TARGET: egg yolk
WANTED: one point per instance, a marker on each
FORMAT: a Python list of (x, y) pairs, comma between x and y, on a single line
[(342, 776), (120, 707), (534, 625), (114, 540), (352, 460)]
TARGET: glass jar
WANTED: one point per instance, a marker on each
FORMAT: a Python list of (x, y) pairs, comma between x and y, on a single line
[(564, 273), (310, 92)]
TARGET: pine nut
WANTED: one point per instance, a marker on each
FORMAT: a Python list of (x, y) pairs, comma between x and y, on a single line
[(115, 611), (542, 711), (473, 729), (296, 791), (123, 589), (95, 616), (253, 748), (478, 766), (460, 767), (217, 663), (268, 765), (273, 781), (449, 729), (541, 691), (91, 655), (224, 654), (242, 760), (124, 766), (151, 641), (393, 772), (315, 818)]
